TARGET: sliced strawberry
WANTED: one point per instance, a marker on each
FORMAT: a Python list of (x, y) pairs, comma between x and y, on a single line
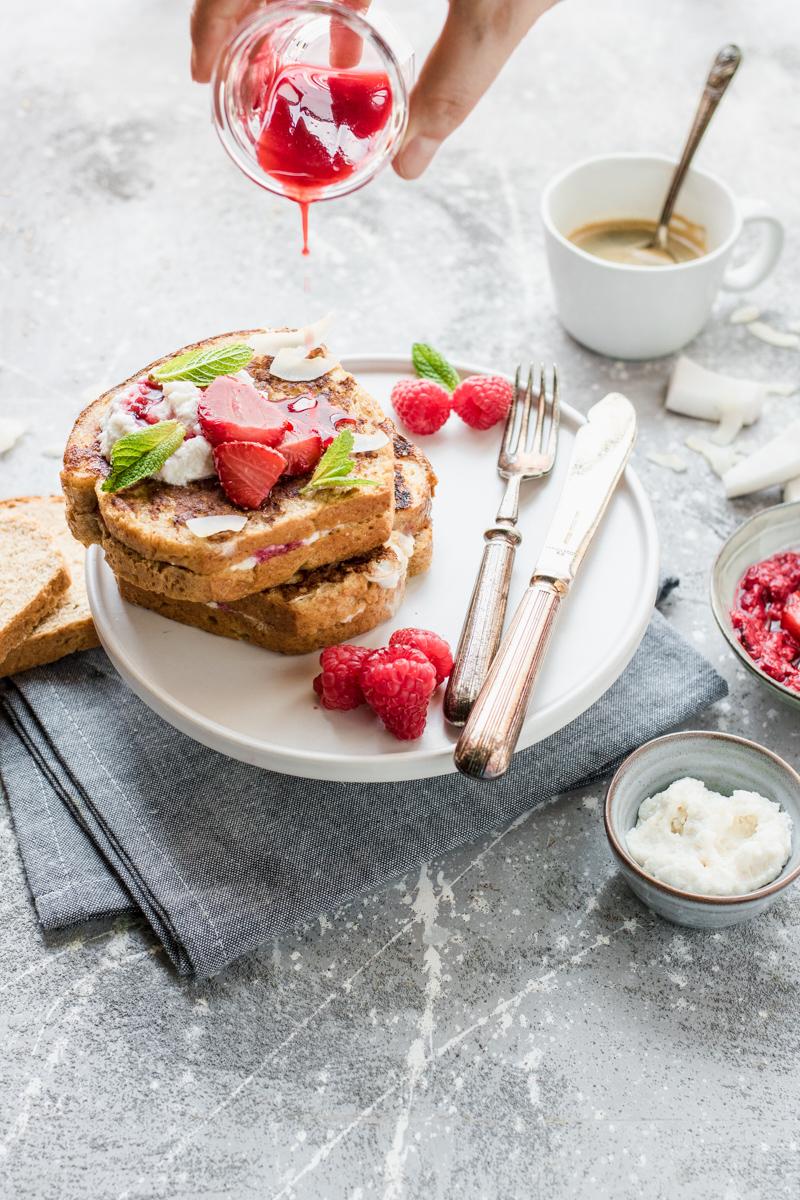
[(248, 471), (302, 450), (790, 617), (233, 411)]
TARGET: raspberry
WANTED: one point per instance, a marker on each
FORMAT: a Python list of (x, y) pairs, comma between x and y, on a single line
[(247, 471), (435, 649), (483, 400), (232, 411), (398, 682), (338, 684), (422, 405)]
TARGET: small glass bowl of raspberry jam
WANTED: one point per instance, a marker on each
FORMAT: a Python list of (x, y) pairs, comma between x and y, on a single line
[(310, 98), (754, 584)]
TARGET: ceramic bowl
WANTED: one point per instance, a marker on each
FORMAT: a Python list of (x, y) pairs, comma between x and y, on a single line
[(763, 535), (724, 763)]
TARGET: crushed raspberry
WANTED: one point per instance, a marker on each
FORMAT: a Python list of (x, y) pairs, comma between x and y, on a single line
[(767, 617), (398, 682), (435, 649), (338, 683), (422, 405), (483, 400), (142, 398)]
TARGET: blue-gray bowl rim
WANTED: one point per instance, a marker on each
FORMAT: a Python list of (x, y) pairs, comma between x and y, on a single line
[(723, 618), (622, 854)]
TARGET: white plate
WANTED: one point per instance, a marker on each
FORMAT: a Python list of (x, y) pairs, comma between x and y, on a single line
[(259, 707)]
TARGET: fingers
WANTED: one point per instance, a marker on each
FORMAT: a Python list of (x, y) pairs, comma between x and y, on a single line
[(212, 24), (346, 45), (477, 39)]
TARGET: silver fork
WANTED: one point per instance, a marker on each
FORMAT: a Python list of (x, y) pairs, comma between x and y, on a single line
[(521, 457)]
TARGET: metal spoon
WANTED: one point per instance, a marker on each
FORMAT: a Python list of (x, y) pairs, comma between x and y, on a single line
[(722, 71)]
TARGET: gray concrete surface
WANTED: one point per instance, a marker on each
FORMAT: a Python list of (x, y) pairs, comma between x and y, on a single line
[(512, 1022)]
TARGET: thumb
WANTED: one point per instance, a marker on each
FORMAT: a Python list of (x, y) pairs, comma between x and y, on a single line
[(477, 39)]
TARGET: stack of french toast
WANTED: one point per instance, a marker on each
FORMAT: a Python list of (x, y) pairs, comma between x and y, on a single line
[(308, 566)]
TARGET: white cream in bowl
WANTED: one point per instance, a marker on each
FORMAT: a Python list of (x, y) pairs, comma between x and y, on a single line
[(700, 841)]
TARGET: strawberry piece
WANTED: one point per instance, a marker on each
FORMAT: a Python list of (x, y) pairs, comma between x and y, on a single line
[(231, 410), (302, 450), (790, 617), (247, 471)]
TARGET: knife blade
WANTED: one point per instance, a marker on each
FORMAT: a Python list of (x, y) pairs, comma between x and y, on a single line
[(602, 448)]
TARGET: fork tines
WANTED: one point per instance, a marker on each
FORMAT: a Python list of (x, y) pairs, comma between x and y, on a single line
[(523, 448)]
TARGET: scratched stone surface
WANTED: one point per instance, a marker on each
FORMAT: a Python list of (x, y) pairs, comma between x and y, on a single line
[(510, 1022)]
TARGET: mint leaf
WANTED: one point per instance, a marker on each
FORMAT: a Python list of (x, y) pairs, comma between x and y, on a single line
[(140, 454), (430, 364), (204, 365), (333, 469)]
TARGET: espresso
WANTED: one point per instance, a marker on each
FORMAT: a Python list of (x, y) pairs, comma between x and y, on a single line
[(628, 241)]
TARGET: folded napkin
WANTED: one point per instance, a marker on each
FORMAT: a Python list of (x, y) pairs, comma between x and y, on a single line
[(115, 810)]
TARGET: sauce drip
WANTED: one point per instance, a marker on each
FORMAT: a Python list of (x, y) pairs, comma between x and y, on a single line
[(319, 126)]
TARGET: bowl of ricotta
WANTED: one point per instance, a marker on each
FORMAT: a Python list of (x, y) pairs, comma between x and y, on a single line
[(705, 827)]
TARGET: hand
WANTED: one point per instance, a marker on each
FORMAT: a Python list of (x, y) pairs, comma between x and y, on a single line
[(477, 39)]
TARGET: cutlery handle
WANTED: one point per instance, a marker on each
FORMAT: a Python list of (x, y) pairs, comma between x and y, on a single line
[(483, 624), (491, 733)]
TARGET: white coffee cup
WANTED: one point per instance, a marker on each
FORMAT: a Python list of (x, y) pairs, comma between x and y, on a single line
[(643, 312)]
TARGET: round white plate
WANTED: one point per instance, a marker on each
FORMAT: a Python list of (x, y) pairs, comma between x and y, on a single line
[(260, 707)]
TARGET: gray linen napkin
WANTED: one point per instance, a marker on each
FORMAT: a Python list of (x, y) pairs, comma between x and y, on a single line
[(114, 809)]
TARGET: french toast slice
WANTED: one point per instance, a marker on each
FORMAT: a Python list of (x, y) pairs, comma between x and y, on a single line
[(332, 604), (69, 626), (414, 482), (150, 517)]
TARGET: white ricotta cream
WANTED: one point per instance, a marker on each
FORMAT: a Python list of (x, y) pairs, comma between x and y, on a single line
[(193, 459), (700, 841)]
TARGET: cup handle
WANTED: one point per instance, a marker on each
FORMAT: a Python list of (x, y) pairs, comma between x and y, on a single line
[(766, 254)]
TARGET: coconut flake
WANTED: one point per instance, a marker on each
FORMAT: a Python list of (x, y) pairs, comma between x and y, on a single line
[(774, 337), (791, 490), (745, 314), (694, 391), (363, 443), (10, 433), (781, 389), (293, 365), (719, 458), (271, 341), (204, 527), (671, 461), (776, 462)]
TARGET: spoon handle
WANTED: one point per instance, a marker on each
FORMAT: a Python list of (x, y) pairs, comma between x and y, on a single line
[(722, 72)]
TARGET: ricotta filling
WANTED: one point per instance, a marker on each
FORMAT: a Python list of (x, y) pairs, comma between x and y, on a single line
[(193, 459)]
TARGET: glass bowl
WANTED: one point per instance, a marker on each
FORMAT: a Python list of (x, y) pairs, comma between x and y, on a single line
[(292, 118), (767, 533)]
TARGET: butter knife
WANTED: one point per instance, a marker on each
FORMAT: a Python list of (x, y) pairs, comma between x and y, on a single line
[(602, 448)]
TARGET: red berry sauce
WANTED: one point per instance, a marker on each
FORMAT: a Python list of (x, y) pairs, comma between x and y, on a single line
[(319, 127)]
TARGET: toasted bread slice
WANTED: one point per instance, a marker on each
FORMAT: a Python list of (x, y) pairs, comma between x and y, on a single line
[(150, 518), (69, 626), (34, 577), (319, 608), (413, 483)]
